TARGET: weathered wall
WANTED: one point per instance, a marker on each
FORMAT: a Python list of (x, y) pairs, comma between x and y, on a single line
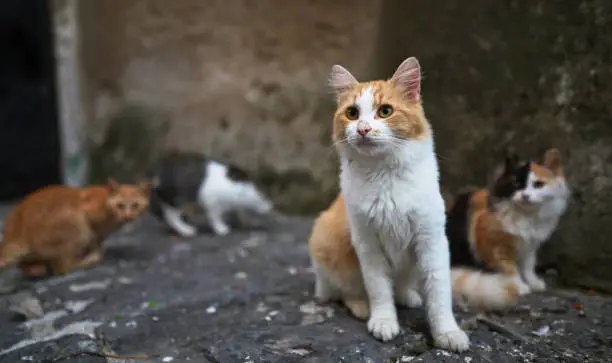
[(530, 74), (243, 81)]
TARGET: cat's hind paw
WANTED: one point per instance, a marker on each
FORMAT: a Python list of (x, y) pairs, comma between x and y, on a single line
[(454, 341), (360, 308), (410, 298)]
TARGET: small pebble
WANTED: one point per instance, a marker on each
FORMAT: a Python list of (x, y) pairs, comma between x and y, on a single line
[(155, 318), (167, 359), (240, 275), (211, 309), (292, 271)]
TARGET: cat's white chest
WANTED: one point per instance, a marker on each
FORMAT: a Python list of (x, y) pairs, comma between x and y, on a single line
[(394, 207)]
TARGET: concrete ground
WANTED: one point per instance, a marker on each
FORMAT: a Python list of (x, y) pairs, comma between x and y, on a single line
[(247, 297)]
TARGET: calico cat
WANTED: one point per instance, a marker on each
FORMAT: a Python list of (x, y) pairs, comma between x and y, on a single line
[(187, 179), (495, 233), (382, 240), (61, 229)]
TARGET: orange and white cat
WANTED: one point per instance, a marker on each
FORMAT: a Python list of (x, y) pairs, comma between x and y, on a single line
[(62, 228), (383, 239), (495, 233)]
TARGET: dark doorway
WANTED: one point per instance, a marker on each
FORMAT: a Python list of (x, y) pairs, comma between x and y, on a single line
[(29, 132)]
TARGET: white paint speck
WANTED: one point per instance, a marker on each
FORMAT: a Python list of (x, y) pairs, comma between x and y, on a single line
[(86, 327), (292, 270), (125, 280), (155, 318), (167, 359), (77, 306), (131, 324), (211, 309), (541, 331), (27, 357), (467, 359), (406, 358), (112, 324), (94, 285), (240, 275)]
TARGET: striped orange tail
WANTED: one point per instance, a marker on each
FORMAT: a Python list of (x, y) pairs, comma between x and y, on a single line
[(482, 290)]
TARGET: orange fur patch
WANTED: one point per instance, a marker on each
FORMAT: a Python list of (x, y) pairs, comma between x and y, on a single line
[(330, 242), (495, 248)]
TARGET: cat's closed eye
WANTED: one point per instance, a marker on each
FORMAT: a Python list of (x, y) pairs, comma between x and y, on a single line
[(120, 206), (538, 184), (135, 205)]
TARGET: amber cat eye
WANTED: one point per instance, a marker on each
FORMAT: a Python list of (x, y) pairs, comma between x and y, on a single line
[(385, 111), (352, 113)]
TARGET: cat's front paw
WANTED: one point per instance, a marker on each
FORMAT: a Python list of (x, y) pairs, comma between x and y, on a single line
[(187, 232), (521, 287), (384, 327), (454, 341), (221, 230), (536, 284)]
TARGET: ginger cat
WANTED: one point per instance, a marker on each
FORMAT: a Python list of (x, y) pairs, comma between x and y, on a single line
[(495, 233), (62, 228), (383, 239)]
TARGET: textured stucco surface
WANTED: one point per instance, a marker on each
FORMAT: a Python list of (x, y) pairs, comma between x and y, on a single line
[(242, 81)]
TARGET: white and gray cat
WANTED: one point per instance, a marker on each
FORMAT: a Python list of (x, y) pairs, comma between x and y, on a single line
[(182, 179)]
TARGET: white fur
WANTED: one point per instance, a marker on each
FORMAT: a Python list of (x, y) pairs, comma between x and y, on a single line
[(397, 221), (219, 195), (532, 215), (173, 217), (485, 290)]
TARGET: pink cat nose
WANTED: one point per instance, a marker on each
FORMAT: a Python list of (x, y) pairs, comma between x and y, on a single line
[(363, 131)]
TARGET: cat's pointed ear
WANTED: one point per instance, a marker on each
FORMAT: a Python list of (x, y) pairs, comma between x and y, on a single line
[(552, 160), (511, 160), (341, 80), (112, 185), (145, 187), (408, 78)]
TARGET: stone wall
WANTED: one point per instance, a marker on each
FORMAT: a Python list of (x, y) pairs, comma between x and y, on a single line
[(527, 74), (246, 82), (243, 81)]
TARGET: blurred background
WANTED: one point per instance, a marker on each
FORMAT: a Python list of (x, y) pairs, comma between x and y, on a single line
[(93, 88)]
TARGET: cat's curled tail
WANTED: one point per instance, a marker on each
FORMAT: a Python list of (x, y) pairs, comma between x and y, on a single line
[(484, 290), (11, 253)]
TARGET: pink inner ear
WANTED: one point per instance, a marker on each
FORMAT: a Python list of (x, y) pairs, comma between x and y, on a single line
[(341, 79), (408, 78)]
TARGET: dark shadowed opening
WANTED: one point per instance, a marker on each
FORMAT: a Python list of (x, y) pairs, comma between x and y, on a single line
[(29, 132)]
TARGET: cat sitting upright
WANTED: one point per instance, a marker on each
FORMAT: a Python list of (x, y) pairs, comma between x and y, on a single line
[(62, 228), (184, 179), (382, 240), (495, 233)]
